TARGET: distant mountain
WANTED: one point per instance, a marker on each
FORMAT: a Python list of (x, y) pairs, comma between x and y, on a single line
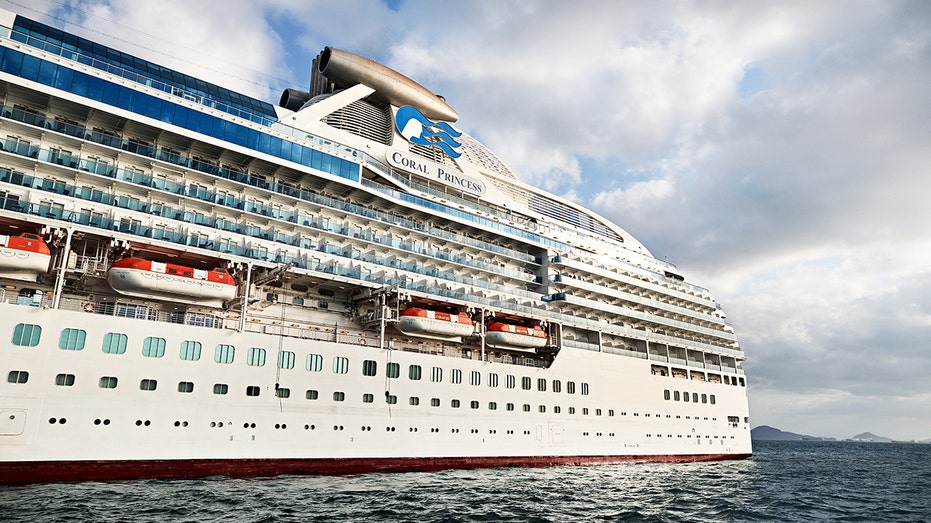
[(870, 437), (767, 433)]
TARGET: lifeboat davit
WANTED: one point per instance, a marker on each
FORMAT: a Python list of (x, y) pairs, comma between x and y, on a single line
[(507, 335), (150, 279), (434, 324), (23, 257)]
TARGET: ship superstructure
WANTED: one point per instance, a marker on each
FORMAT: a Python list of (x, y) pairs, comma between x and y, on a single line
[(196, 282)]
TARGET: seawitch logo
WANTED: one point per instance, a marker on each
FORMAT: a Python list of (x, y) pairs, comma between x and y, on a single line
[(417, 128)]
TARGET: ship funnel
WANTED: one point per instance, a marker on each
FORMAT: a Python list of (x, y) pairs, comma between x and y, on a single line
[(346, 69), (293, 99)]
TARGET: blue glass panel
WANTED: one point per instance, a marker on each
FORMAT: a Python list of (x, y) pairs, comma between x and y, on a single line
[(154, 107), (30, 68), (64, 79), (95, 88), (47, 72), (111, 93), (12, 61), (79, 85)]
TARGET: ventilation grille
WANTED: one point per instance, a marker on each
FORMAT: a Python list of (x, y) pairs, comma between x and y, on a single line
[(364, 120)]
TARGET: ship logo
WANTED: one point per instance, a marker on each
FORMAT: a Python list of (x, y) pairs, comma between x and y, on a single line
[(418, 129)]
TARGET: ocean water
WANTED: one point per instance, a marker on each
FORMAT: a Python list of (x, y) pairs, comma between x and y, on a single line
[(783, 481)]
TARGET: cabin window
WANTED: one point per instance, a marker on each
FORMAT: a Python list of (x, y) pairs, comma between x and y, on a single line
[(526, 407), (557, 386), (694, 397), (340, 365), (368, 398), (585, 411), (571, 410), (570, 387), (107, 382), (369, 367), (314, 362), (224, 354), (712, 399), (675, 395), (282, 392), (666, 394), (413, 372), (492, 379), (454, 404), (190, 350), (510, 381), (557, 409), (186, 386), (434, 402), (255, 357), (286, 360), (114, 343), (473, 404), (492, 405), (393, 370), (64, 380), (253, 390), (585, 389), (611, 413), (541, 384), (26, 335), (685, 396), (312, 394), (148, 384), (455, 376), (436, 374), (17, 376), (525, 383), (704, 398), (391, 399), (220, 388), (475, 378), (598, 413), (509, 407), (542, 408), (414, 400), (72, 339), (153, 347)]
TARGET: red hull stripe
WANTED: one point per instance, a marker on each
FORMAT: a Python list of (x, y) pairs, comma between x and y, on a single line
[(46, 471)]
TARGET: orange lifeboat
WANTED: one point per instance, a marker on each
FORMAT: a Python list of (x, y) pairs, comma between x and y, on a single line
[(506, 335), (434, 324), (150, 279), (23, 257)]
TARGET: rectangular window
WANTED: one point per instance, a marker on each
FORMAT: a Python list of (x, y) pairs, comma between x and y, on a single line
[(570, 387), (542, 408), (455, 376), (185, 386), (557, 386), (17, 376), (255, 357), (369, 368), (253, 390), (153, 347), (436, 374), (704, 398), (282, 392), (224, 354), (492, 379), (585, 389), (712, 399), (571, 410), (114, 343), (314, 362), (510, 381), (26, 335), (694, 397), (107, 382), (475, 378), (557, 409), (312, 394), (525, 383), (598, 413), (190, 350), (585, 411), (676, 396), (434, 402), (414, 400), (391, 399), (666, 394), (220, 388), (685, 396), (541, 384), (492, 405), (72, 339), (611, 413), (473, 404), (285, 360), (413, 372), (64, 380), (454, 404), (509, 407), (368, 398), (340, 365), (526, 407), (393, 370), (148, 384)]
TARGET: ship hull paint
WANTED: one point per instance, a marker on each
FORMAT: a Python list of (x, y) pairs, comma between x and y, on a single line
[(48, 471)]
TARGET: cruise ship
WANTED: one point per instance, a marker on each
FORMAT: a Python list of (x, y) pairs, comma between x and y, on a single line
[(195, 282)]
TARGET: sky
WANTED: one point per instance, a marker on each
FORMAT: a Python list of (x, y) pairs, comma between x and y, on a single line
[(779, 153)]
